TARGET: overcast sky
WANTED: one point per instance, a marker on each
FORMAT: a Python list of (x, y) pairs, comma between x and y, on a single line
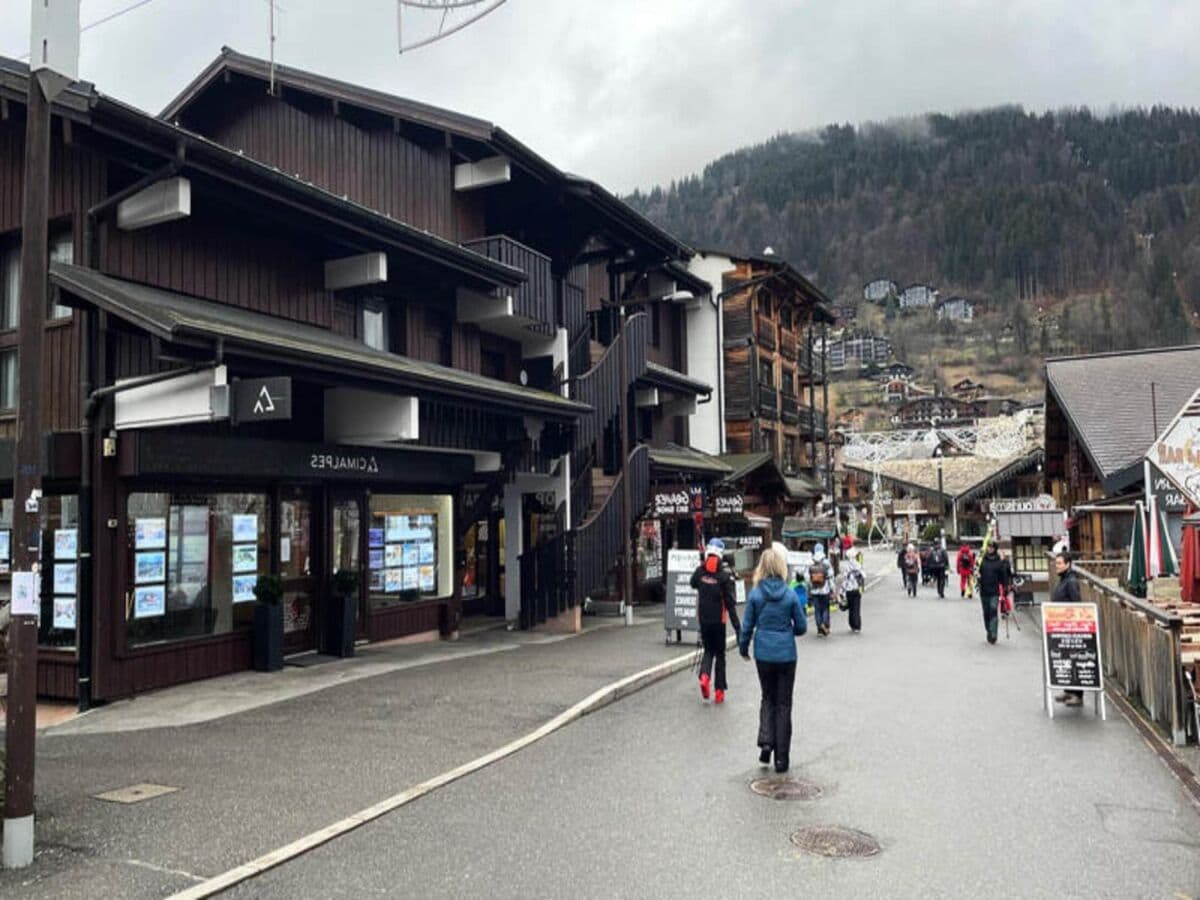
[(636, 92)]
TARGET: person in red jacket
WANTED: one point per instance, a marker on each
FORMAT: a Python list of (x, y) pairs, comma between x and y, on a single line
[(966, 568)]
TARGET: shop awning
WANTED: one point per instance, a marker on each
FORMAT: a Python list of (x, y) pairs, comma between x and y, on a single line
[(809, 527), (687, 459), (178, 317)]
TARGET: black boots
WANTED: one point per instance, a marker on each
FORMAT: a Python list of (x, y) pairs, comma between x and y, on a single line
[(764, 756), (781, 763)]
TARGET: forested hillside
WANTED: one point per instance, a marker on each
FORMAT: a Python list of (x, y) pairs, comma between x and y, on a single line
[(1001, 205)]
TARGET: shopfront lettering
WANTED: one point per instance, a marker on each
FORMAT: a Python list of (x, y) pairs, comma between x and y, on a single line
[(671, 503), (729, 504), (338, 462)]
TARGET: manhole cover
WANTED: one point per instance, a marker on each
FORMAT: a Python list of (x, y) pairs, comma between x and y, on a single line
[(786, 788), (833, 840), (136, 793)]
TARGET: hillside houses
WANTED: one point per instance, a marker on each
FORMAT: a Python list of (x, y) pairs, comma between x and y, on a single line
[(879, 290), (955, 309), (918, 296), (854, 351)]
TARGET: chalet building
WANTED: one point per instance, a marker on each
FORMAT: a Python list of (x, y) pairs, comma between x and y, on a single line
[(966, 389), (773, 394), (918, 296), (1103, 412), (856, 351), (896, 370), (479, 355), (925, 411), (955, 309), (879, 290), (899, 389)]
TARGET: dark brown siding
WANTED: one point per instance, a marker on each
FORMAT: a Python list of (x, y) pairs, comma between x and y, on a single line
[(370, 164), (741, 382)]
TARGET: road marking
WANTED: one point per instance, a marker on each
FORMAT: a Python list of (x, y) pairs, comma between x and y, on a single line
[(593, 702), (162, 869)]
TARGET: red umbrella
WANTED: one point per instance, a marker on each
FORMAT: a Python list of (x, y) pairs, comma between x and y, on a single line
[(1189, 578)]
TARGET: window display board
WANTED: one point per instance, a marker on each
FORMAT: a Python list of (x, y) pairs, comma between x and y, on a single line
[(407, 557), (149, 567)]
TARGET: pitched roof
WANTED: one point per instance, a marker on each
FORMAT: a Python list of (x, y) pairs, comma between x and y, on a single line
[(1106, 400), (481, 131), (173, 316), (962, 476), (673, 456)]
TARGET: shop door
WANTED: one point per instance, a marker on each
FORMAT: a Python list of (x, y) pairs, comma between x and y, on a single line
[(299, 570), (346, 548)]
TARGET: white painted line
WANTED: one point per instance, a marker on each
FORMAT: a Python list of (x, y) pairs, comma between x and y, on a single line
[(596, 700)]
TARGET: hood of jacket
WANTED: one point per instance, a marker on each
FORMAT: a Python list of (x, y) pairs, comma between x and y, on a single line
[(773, 589)]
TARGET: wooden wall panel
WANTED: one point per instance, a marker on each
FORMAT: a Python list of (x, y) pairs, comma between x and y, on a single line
[(741, 382), (738, 324)]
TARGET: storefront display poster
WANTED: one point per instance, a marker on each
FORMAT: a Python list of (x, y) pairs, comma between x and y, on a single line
[(5, 545), (66, 543), (64, 613), (243, 588), (24, 594), (397, 527), (392, 581), (394, 556), (425, 552), (374, 537), (149, 567), (425, 520), (285, 549), (375, 558), (411, 554), (411, 578), (149, 601), (376, 581), (64, 578), (427, 579), (245, 528), (245, 557), (149, 534)]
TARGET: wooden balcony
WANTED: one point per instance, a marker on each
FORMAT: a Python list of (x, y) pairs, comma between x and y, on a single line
[(768, 402), (789, 410), (812, 365), (789, 346), (812, 421), (764, 331), (513, 312)]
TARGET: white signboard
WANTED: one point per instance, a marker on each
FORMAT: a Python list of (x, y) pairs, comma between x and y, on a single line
[(1177, 452), (680, 611)]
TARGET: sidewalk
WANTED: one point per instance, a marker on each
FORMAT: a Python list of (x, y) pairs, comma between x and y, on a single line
[(261, 759)]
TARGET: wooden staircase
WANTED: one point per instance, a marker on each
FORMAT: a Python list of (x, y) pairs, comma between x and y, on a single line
[(602, 487)]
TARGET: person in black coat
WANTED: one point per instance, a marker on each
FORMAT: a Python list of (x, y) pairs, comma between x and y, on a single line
[(994, 574), (938, 563), (1066, 591), (716, 602)]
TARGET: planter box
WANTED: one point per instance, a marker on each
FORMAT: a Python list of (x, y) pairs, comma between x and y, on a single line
[(341, 626), (268, 637)]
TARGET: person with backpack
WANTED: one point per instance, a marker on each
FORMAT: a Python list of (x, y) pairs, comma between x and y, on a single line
[(820, 587), (995, 576), (774, 618), (965, 564), (939, 562), (716, 601), (911, 563), (853, 582)]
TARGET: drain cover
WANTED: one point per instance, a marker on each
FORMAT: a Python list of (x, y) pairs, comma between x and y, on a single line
[(136, 793), (786, 788), (833, 840)]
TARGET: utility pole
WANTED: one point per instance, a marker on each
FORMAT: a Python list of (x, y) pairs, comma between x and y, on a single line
[(53, 62)]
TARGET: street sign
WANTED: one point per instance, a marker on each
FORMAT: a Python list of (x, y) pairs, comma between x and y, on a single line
[(262, 399), (680, 612), (1071, 650)]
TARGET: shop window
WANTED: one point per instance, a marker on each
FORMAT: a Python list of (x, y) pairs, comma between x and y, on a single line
[(192, 563), (1030, 557), (8, 380), (475, 573), (60, 571), (410, 549)]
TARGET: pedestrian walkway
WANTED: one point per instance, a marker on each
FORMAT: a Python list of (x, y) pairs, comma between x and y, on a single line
[(916, 732)]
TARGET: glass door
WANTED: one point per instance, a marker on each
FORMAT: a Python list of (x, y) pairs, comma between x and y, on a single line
[(346, 548), (298, 570)]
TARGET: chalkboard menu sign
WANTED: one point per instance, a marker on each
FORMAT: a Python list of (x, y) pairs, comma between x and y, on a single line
[(1071, 642), (680, 612)]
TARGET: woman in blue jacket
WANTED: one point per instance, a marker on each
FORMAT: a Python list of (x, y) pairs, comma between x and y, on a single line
[(774, 617)]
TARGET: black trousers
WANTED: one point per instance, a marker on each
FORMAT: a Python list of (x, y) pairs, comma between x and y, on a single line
[(854, 604), (775, 713), (713, 638), (910, 583), (939, 578)]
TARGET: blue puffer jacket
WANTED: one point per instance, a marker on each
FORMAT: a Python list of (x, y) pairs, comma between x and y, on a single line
[(775, 616)]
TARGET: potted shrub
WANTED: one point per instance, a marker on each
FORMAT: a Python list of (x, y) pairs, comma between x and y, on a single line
[(343, 611), (268, 623)]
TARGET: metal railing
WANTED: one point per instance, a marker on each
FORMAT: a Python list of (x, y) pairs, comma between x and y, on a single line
[(1139, 646), (535, 299), (603, 538)]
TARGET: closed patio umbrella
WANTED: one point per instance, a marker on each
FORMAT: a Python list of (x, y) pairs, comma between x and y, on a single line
[(1135, 576)]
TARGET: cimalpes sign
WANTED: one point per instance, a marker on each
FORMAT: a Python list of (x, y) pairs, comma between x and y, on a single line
[(1176, 454)]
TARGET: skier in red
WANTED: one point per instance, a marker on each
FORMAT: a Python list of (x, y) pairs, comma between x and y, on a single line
[(966, 568)]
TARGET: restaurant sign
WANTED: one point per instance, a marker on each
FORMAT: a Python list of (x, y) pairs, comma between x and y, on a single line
[(1176, 454)]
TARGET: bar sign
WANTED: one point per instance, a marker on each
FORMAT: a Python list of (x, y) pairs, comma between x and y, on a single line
[(262, 399)]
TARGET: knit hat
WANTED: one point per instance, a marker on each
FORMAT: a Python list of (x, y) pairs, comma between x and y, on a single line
[(716, 547)]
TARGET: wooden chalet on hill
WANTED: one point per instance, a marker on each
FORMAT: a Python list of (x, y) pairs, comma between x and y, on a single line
[(477, 349)]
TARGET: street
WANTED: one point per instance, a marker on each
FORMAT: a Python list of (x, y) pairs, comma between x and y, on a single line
[(916, 732)]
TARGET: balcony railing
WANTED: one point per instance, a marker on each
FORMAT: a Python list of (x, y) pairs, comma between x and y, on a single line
[(764, 330), (789, 410), (812, 420), (535, 299), (603, 538), (768, 402), (811, 363), (788, 345)]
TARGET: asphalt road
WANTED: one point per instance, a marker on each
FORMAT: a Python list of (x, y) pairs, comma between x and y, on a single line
[(918, 733)]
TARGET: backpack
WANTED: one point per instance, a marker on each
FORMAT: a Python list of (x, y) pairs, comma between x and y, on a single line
[(816, 575)]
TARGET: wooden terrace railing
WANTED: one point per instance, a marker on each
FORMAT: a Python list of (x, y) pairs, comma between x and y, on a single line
[(535, 299)]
